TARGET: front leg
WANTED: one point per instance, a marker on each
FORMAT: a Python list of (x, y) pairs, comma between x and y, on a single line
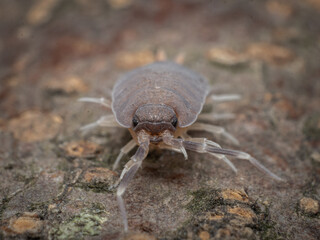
[(205, 146), (124, 150), (128, 173)]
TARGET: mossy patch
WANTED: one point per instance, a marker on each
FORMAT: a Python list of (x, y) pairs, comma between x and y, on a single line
[(204, 200), (97, 187), (222, 217), (87, 223), (311, 128), (97, 179), (3, 206), (39, 207), (267, 230)]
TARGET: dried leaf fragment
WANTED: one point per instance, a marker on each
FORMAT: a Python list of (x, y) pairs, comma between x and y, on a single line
[(27, 223), (314, 3), (82, 149), (32, 126), (99, 175), (226, 56), (130, 60), (270, 53), (41, 11), (69, 85), (281, 9), (244, 213), (237, 195)]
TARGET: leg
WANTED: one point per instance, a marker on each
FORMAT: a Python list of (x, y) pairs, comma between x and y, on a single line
[(206, 148), (124, 150), (212, 148), (105, 121), (220, 157), (128, 173), (171, 148), (180, 149), (220, 131), (101, 101), (224, 97), (215, 116)]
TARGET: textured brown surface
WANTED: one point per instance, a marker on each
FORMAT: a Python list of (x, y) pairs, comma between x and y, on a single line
[(55, 181)]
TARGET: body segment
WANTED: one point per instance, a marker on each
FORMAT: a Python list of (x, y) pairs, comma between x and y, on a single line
[(162, 83)]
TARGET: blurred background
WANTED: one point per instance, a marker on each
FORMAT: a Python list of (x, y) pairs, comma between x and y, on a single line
[(55, 181)]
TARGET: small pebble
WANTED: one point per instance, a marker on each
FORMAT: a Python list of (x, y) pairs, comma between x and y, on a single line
[(204, 235), (27, 223), (309, 205)]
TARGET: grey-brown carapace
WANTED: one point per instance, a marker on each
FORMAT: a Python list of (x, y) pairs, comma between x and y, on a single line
[(159, 103)]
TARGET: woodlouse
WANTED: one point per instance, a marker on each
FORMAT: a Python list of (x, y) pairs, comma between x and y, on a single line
[(158, 103)]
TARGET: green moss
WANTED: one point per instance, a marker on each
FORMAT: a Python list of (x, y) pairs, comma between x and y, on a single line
[(3, 206), (311, 188), (63, 165), (97, 187), (267, 231), (40, 207), (311, 127), (27, 180), (86, 223), (204, 200), (210, 201), (265, 228)]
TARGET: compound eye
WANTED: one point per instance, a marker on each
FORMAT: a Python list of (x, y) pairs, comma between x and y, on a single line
[(174, 122), (135, 121)]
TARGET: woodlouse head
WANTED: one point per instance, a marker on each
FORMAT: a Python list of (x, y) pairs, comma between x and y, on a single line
[(154, 119)]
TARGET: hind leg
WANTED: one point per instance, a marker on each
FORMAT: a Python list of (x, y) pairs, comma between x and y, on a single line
[(220, 131), (102, 101), (105, 121), (215, 116), (224, 97), (128, 173)]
